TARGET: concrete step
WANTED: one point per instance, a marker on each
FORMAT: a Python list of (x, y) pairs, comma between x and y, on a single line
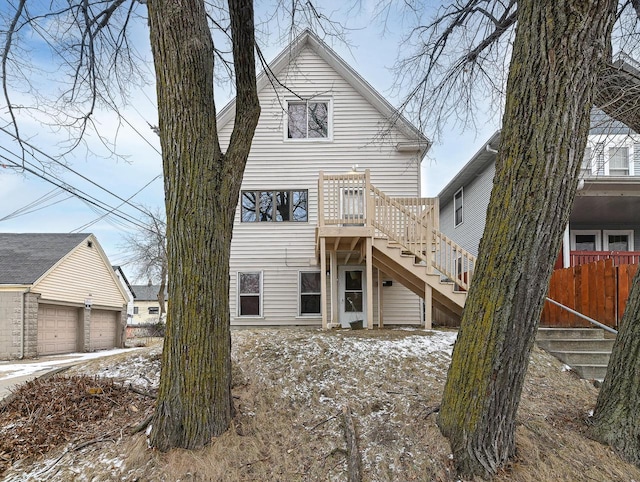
[(577, 344), (590, 372), (574, 358), (567, 333)]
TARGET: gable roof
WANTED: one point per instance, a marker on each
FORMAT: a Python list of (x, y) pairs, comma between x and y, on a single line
[(147, 292), (25, 257), (472, 169), (309, 39), (118, 269)]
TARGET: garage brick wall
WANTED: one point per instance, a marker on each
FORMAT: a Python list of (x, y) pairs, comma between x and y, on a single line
[(10, 320), (31, 325)]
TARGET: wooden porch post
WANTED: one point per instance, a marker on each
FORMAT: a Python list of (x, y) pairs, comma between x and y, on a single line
[(323, 281), (428, 307), (369, 268), (380, 300), (368, 199), (321, 198), (333, 272)]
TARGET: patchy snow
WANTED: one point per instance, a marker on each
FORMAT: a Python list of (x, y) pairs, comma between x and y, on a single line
[(24, 368)]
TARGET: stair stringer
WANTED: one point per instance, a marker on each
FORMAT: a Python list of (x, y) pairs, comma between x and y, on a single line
[(402, 267)]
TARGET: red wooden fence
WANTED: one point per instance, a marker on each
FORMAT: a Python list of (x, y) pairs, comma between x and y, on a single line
[(598, 290)]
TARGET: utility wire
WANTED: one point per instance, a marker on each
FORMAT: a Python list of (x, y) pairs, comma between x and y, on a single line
[(72, 170), (87, 198)]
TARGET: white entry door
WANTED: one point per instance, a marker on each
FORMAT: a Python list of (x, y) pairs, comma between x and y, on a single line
[(353, 295)]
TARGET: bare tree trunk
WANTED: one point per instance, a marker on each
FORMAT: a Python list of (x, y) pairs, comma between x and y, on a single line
[(558, 49), (616, 417), (201, 193)]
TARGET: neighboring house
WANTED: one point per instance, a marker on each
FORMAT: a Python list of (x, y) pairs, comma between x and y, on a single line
[(146, 308), (329, 207), (605, 219), (58, 294), (127, 287)]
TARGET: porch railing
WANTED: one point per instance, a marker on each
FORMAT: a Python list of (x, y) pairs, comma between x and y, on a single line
[(578, 258), (351, 200)]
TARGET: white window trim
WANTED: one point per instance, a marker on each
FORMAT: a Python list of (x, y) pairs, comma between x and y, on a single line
[(629, 159), (461, 191), (607, 232), (238, 315), (597, 233), (285, 130), (308, 315)]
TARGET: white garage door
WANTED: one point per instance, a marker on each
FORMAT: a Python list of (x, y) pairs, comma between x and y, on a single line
[(57, 329), (103, 329)]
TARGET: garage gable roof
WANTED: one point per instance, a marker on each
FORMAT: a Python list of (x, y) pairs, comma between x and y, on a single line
[(25, 257)]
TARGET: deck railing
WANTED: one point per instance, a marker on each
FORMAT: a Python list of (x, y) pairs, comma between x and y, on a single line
[(619, 257), (351, 200)]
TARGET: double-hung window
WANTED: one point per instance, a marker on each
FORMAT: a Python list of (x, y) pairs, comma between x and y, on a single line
[(309, 293), (457, 207), (250, 294), (308, 119), (275, 206), (618, 161)]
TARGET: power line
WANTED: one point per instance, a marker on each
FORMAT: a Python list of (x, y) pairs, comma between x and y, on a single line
[(72, 170), (88, 199)]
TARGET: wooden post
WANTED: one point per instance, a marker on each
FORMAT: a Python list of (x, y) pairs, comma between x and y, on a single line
[(321, 199), (368, 199), (428, 307), (323, 281), (333, 272), (369, 265), (380, 300)]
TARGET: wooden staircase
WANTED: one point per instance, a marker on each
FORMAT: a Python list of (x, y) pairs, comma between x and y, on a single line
[(394, 259), (399, 236)]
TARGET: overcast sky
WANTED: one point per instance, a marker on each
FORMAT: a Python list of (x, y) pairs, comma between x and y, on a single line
[(31, 204)]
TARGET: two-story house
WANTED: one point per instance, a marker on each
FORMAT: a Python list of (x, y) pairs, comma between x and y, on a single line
[(330, 228), (605, 218), (146, 307)]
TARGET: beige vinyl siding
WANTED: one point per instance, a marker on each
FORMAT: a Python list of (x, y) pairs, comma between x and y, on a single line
[(82, 274), (281, 250), (401, 306)]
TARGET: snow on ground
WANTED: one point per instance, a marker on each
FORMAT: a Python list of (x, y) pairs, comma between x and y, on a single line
[(13, 369)]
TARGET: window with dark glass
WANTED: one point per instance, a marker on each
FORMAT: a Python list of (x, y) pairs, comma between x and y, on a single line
[(353, 291), (135, 310), (308, 120), (249, 294), (279, 206), (585, 242), (154, 310), (618, 242), (457, 207), (310, 293)]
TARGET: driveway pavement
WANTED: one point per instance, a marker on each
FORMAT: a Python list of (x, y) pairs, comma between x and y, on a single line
[(15, 372)]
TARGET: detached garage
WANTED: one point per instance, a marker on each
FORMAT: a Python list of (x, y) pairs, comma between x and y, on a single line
[(58, 294)]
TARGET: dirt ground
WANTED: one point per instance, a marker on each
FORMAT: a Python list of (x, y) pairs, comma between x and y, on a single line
[(290, 388)]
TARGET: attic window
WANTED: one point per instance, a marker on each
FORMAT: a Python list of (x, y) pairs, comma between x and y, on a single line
[(308, 120), (89, 244)]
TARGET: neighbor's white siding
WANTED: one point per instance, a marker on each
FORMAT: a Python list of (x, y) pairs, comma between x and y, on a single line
[(281, 250), (82, 274)]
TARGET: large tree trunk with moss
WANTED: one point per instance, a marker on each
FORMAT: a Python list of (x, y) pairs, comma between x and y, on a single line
[(557, 52), (201, 192), (616, 419)]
